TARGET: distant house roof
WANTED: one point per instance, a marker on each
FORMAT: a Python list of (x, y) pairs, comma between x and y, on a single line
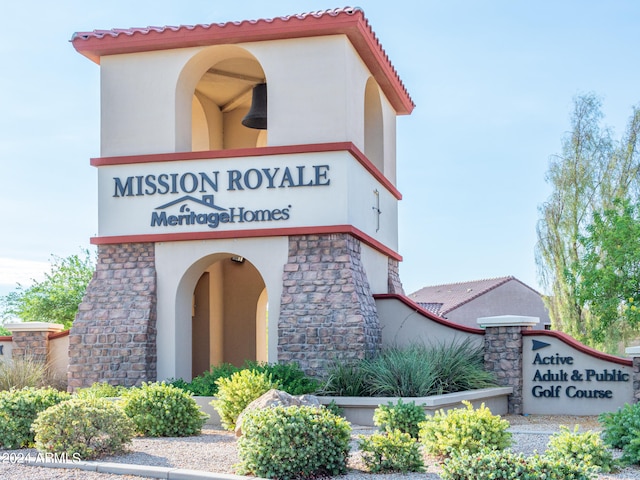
[(441, 299), (349, 21)]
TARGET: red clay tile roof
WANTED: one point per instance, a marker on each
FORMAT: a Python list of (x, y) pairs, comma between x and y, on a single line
[(453, 295), (348, 21)]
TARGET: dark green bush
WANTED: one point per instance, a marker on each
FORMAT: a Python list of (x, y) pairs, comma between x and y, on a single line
[(392, 451), (401, 416), (86, 427), (19, 409), (622, 430), (468, 429), (162, 410), (506, 465), (205, 384), (293, 442), (100, 390), (415, 371), (238, 391), (289, 377), (583, 448)]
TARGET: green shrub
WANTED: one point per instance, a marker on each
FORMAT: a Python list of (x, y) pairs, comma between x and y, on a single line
[(162, 410), (289, 377), (586, 448), (293, 442), (345, 380), (19, 409), (506, 465), (392, 451), (101, 390), (238, 391), (401, 416), (464, 429), (84, 427), (205, 384), (622, 430), (414, 371)]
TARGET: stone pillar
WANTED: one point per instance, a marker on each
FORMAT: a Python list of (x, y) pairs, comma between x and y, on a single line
[(113, 338), (394, 283), (31, 339), (503, 352), (634, 353), (327, 308)]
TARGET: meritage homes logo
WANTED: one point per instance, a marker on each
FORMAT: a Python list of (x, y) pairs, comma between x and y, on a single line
[(193, 209)]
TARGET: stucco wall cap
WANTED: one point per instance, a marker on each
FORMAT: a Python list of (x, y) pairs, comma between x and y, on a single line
[(508, 321), (632, 351), (34, 327)]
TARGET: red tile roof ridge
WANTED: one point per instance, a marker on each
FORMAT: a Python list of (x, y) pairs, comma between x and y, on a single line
[(490, 279), (94, 51), (114, 32)]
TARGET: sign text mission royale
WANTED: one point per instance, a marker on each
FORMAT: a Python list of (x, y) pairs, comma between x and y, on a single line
[(201, 182)]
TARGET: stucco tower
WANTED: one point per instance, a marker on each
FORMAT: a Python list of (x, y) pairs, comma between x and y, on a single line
[(220, 242)]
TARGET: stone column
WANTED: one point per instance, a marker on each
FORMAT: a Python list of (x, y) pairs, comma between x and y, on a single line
[(394, 283), (634, 353), (327, 308), (31, 339), (113, 338), (503, 352)]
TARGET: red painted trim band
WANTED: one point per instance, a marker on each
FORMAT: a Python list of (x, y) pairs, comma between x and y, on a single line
[(6, 339), (254, 152), (64, 333), (426, 313), (267, 232), (572, 342)]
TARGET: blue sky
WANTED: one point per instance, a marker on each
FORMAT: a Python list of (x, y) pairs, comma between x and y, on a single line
[(493, 84)]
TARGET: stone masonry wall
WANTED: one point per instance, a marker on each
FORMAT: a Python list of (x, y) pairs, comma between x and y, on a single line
[(34, 345), (394, 283), (503, 357), (327, 309), (113, 338)]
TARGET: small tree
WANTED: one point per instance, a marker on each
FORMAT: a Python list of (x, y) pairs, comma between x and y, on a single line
[(56, 298), (607, 280)]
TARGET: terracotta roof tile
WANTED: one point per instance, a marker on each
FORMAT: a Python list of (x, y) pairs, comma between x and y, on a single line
[(452, 295), (349, 21)]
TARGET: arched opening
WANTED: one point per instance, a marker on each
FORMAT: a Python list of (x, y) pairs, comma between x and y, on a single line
[(221, 97), (373, 125), (228, 315)]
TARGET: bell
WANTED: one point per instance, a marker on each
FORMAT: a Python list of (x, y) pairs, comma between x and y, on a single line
[(257, 116)]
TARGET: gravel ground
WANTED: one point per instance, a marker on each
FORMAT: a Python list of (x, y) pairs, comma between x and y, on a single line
[(215, 451)]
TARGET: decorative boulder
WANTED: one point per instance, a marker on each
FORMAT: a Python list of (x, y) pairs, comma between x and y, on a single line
[(274, 398)]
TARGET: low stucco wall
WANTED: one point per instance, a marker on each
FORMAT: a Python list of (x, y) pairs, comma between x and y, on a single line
[(6, 346), (404, 323), (359, 410)]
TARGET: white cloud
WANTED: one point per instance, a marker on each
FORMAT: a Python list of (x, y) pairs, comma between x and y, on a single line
[(14, 271)]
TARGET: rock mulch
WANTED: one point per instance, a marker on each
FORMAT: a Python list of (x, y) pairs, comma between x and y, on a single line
[(215, 451)]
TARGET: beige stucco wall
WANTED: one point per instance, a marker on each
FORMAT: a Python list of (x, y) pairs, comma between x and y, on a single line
[(179, 265), (6, 350), (510, 298), (402, 326), (59, 355), (316, 95)]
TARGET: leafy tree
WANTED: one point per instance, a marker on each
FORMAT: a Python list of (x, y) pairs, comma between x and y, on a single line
[(607, 279), (586, 177), (56, 298)]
